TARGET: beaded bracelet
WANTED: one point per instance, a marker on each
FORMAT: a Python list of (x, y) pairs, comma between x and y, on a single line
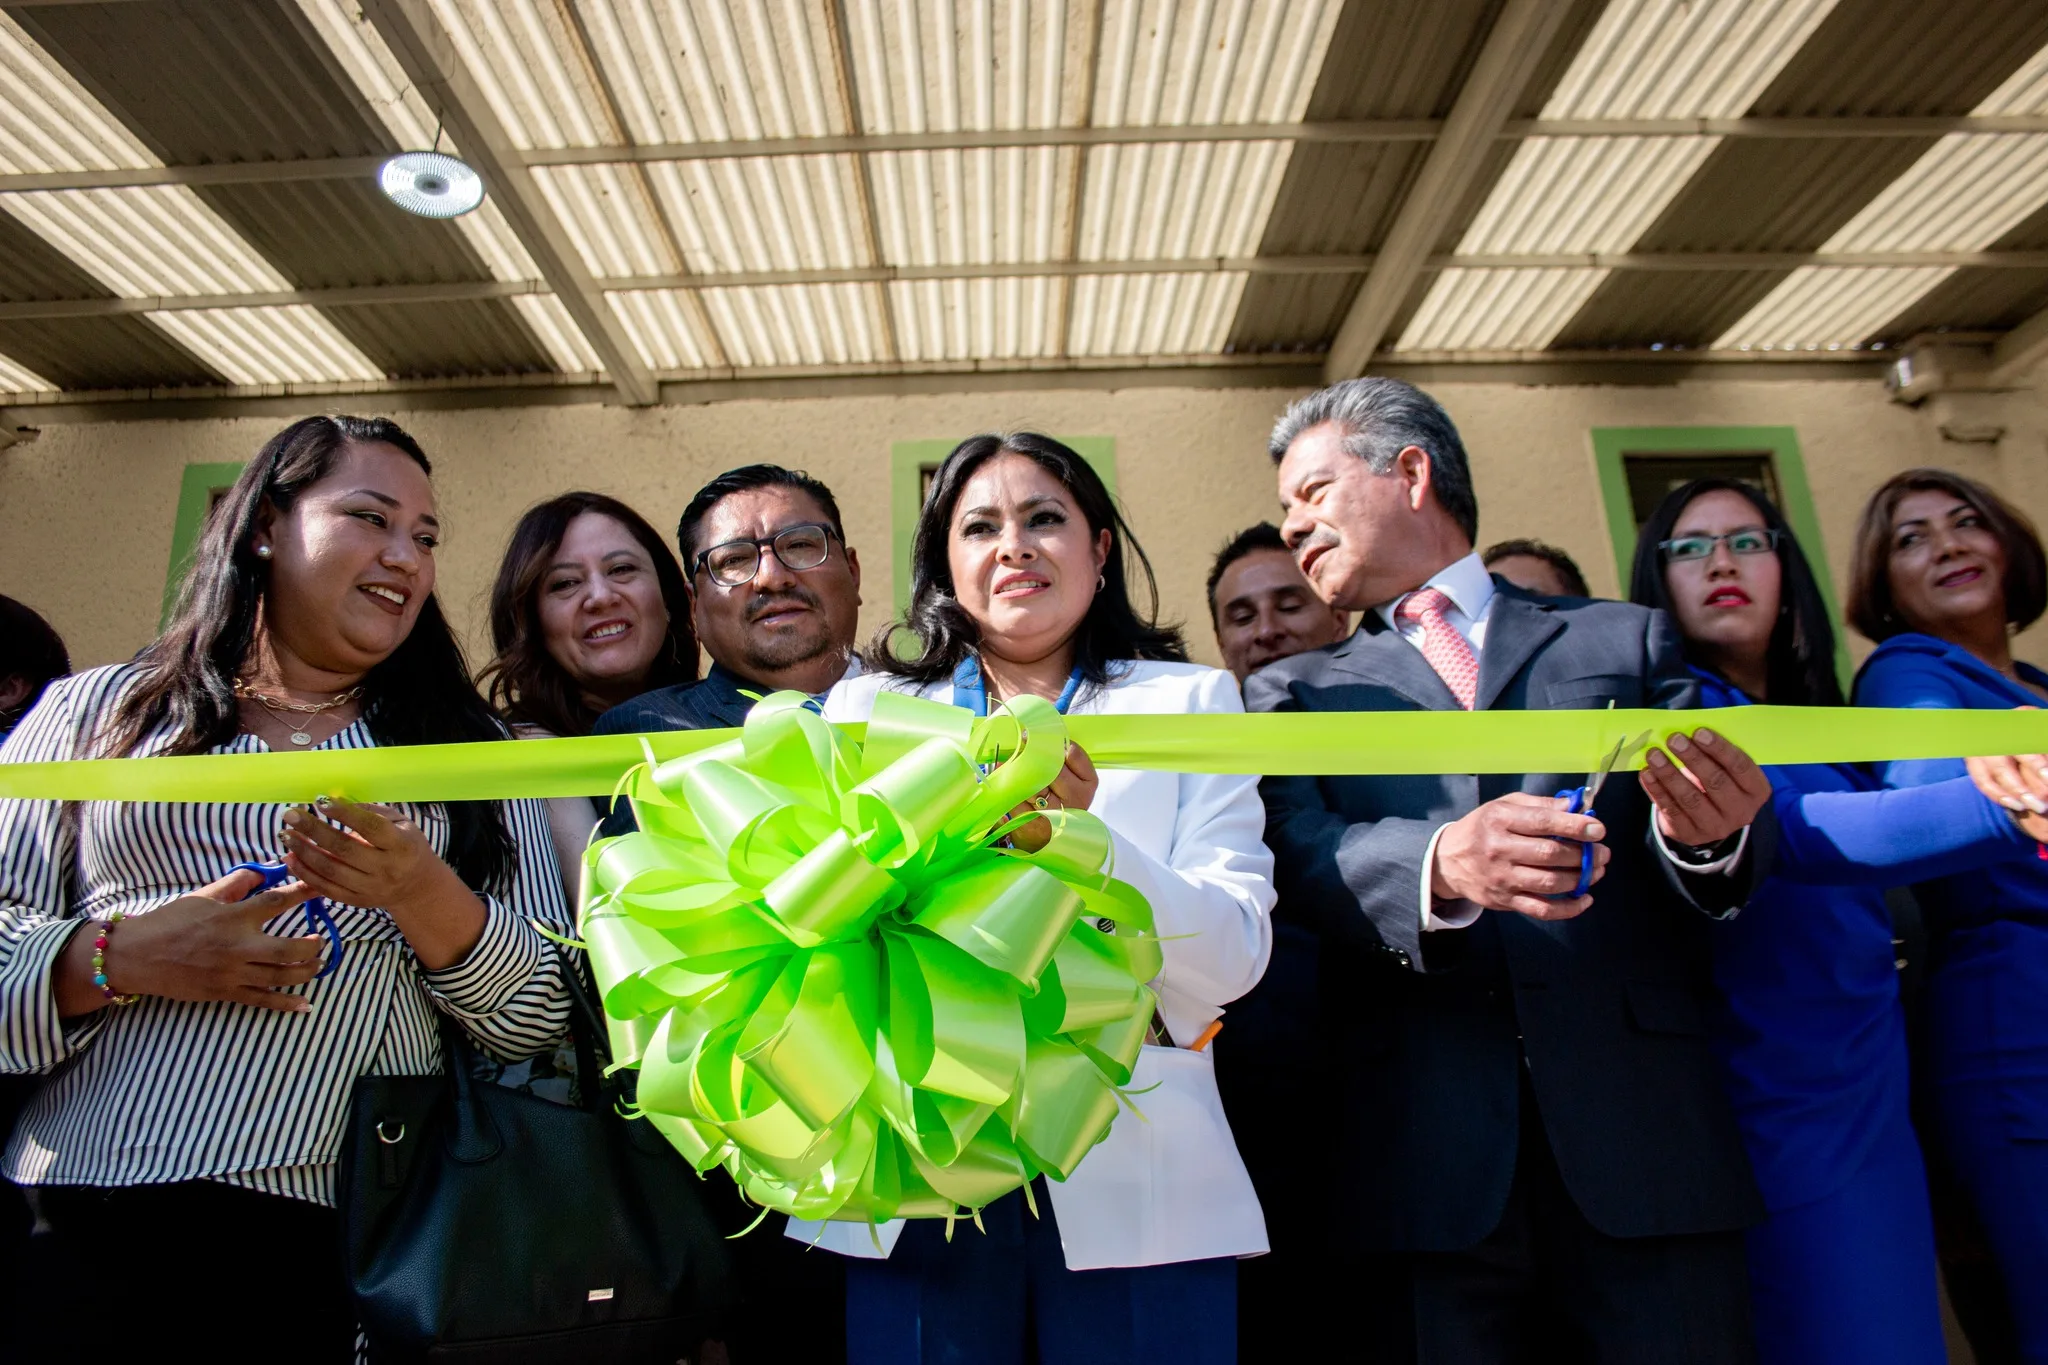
[(99, 960)]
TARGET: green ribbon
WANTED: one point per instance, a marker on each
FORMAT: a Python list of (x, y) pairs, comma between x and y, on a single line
[(1322, 743), (836, 985), (832, 982)]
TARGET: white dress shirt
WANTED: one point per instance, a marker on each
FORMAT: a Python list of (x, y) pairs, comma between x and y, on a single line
[(1470, 589), (1167, 1183)]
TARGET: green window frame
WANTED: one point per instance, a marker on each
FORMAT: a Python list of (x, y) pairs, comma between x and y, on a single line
[(1611, 444), (908, 460), (195, 500)]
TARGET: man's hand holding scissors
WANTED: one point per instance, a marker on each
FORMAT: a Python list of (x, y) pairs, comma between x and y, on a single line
[(1528, 854)]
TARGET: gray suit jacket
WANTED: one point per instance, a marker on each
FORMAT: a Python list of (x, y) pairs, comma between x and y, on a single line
[(1433, 1034)]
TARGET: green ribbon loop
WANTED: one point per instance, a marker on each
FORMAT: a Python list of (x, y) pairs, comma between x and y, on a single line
[(837, 988)]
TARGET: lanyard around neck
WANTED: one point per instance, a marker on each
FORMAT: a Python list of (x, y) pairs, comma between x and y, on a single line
[(970, 687)]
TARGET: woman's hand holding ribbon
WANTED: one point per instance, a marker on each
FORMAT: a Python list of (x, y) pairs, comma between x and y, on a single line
[(1717, 792), (209, 945), (381, 858), (1073, 789)]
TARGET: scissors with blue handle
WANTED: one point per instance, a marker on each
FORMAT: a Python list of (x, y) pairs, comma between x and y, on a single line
[(1579, 801), (317, 918)]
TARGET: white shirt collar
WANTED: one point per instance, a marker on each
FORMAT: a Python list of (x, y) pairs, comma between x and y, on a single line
[(1466, 582)]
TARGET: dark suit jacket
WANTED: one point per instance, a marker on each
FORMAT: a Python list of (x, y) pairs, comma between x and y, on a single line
[(713, 702), (1430, 1034)]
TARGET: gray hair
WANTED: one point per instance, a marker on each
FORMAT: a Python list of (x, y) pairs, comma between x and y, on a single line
[(1379, 418)]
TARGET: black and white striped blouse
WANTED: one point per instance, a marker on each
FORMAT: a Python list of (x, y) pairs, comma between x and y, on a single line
[(166, 1090)]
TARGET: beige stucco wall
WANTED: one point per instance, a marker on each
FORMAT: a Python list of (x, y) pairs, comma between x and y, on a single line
[(86, 509)]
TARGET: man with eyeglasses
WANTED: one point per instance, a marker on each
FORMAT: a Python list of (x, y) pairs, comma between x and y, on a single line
[(774, 599)]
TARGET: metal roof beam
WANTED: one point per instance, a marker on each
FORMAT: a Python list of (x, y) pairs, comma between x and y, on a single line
[(1359, 131), (226, 173), (1354, 131), (428, 54), (369, 295), (470, 290), (1507, 61)]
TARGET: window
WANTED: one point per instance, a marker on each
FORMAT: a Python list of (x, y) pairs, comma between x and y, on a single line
[(1639, 466), (199, 492), (1652, 477), (912, 466)]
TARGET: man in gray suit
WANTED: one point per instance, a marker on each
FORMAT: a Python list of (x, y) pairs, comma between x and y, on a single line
[(1532, 1154)]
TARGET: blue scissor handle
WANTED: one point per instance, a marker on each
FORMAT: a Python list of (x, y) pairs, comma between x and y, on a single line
[(317, 918), (1575, 799)]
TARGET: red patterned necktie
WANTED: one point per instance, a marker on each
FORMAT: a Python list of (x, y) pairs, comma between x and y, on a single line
[(1442, 647)]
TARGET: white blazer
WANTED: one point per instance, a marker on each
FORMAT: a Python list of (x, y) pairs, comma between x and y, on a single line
[(1169, 1186)]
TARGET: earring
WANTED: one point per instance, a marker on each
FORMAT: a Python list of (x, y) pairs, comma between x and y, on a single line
[(263, 552), (1101, 582)]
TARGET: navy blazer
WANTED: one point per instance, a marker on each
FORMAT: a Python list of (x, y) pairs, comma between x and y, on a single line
[(714, 702), (1432, 1034)]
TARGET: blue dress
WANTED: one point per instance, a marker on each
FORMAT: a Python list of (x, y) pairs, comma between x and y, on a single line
[(1987, 991), (1808, 1025)]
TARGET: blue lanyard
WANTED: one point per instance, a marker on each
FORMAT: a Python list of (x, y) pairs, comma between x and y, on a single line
[(970, 687)]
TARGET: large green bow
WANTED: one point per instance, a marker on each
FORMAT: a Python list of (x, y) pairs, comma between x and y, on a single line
[(838, 986)]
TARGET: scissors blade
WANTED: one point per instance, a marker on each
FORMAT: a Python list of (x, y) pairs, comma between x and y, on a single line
[(1624, 747), (1598, 777)]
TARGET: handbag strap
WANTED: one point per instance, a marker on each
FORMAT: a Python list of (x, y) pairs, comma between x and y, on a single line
[(476, 1135), (587, 1033)]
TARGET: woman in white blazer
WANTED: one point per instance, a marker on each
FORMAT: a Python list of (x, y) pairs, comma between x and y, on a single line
[(1019, 585)]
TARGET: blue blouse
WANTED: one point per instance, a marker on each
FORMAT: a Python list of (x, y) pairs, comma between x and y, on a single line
[(1808, 1022), (1987, 987), (1921, 671)]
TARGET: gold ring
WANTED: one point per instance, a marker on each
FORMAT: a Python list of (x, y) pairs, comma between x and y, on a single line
[(1042, 801)]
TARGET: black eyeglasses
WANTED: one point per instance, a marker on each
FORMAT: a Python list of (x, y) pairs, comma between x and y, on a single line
[(734, 563), (1750, 542)]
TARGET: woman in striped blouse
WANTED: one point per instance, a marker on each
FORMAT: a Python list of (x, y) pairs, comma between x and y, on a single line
[(181, 1152)]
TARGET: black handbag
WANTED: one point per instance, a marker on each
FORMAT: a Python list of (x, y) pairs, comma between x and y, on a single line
[(480, 1223)]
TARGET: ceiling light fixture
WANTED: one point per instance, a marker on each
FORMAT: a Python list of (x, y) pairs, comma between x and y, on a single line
[(430, 184)]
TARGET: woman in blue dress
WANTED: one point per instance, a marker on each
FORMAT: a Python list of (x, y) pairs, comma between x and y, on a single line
[(1945, 572), (1807, 1022)]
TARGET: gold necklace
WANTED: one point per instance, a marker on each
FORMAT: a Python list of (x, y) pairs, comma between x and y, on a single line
[(284, 708)]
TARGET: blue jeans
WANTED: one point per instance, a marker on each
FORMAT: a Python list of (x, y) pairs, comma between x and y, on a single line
[(1006, 1297)]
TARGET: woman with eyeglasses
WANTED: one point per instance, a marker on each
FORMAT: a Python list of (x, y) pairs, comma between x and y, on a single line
[(197, 1035), (1946, 572), (1020, 574), (1808, 1022)]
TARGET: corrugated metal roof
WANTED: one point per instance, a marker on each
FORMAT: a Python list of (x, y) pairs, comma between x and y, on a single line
[(86, 352), (1868, 58), (1006, 319), (1153, 315), (148, 241), (199, 82), (17, 379), (1963, 194), (1973, 301), (238, 81), (268, 345), (475, 337), (101, 353), (603, 71), (798, 324), (1711, 60)]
